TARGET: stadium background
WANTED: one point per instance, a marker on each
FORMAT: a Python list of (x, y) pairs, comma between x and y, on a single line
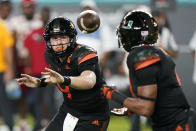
[(181, 16)]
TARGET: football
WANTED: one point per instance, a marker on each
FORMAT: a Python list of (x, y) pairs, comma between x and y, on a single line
[(88, 21)]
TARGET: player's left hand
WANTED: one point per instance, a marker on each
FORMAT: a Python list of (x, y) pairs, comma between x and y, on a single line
[(52, 77)]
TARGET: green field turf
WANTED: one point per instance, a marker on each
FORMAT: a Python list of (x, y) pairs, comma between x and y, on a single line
[(123, 124)]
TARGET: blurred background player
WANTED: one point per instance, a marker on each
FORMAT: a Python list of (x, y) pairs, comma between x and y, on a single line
[(166, 38), (21, 26), (43, 103), (6, 63), (28, 21), (6, 8), (192, 46)]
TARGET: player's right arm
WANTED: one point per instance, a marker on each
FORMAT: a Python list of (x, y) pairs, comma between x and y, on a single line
[(143, 105), (146, 73)]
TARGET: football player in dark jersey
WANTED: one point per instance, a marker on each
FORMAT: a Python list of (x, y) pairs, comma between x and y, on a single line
[(154, 83), (74, 69)]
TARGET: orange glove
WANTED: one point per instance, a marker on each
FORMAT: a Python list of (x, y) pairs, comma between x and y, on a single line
[(107, 92), (111, 93)]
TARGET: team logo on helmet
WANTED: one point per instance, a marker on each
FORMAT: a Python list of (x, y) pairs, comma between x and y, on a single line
[(129, 25)]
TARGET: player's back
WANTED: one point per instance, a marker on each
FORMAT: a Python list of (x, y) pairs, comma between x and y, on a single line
[(170, 101)]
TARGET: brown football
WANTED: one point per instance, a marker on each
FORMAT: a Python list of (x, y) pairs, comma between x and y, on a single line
[(88, 21)]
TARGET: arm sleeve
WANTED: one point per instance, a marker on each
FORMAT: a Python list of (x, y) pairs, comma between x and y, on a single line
[(148, 75)]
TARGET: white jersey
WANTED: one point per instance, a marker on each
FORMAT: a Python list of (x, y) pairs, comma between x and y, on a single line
[(192, 46), (192, 43), (166, 40), (23, 27)]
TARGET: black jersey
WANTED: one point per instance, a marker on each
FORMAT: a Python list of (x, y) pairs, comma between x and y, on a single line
[(83, 104), (151, 65)]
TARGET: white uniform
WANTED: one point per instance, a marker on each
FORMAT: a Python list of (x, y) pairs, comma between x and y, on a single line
[(192, 46), (23, 27), (166, 40)]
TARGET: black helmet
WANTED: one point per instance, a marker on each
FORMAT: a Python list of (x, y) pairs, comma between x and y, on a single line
[(60, 26), (137, 28)]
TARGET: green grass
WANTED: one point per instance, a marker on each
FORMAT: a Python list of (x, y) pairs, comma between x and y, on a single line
[(29, 118), (123, 124)]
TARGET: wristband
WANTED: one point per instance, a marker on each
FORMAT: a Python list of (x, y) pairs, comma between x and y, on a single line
[(67, 80), (116, 96), (43, 83)]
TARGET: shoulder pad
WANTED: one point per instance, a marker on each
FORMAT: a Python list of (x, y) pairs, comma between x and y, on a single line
[(145, 58), (85, 53)]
